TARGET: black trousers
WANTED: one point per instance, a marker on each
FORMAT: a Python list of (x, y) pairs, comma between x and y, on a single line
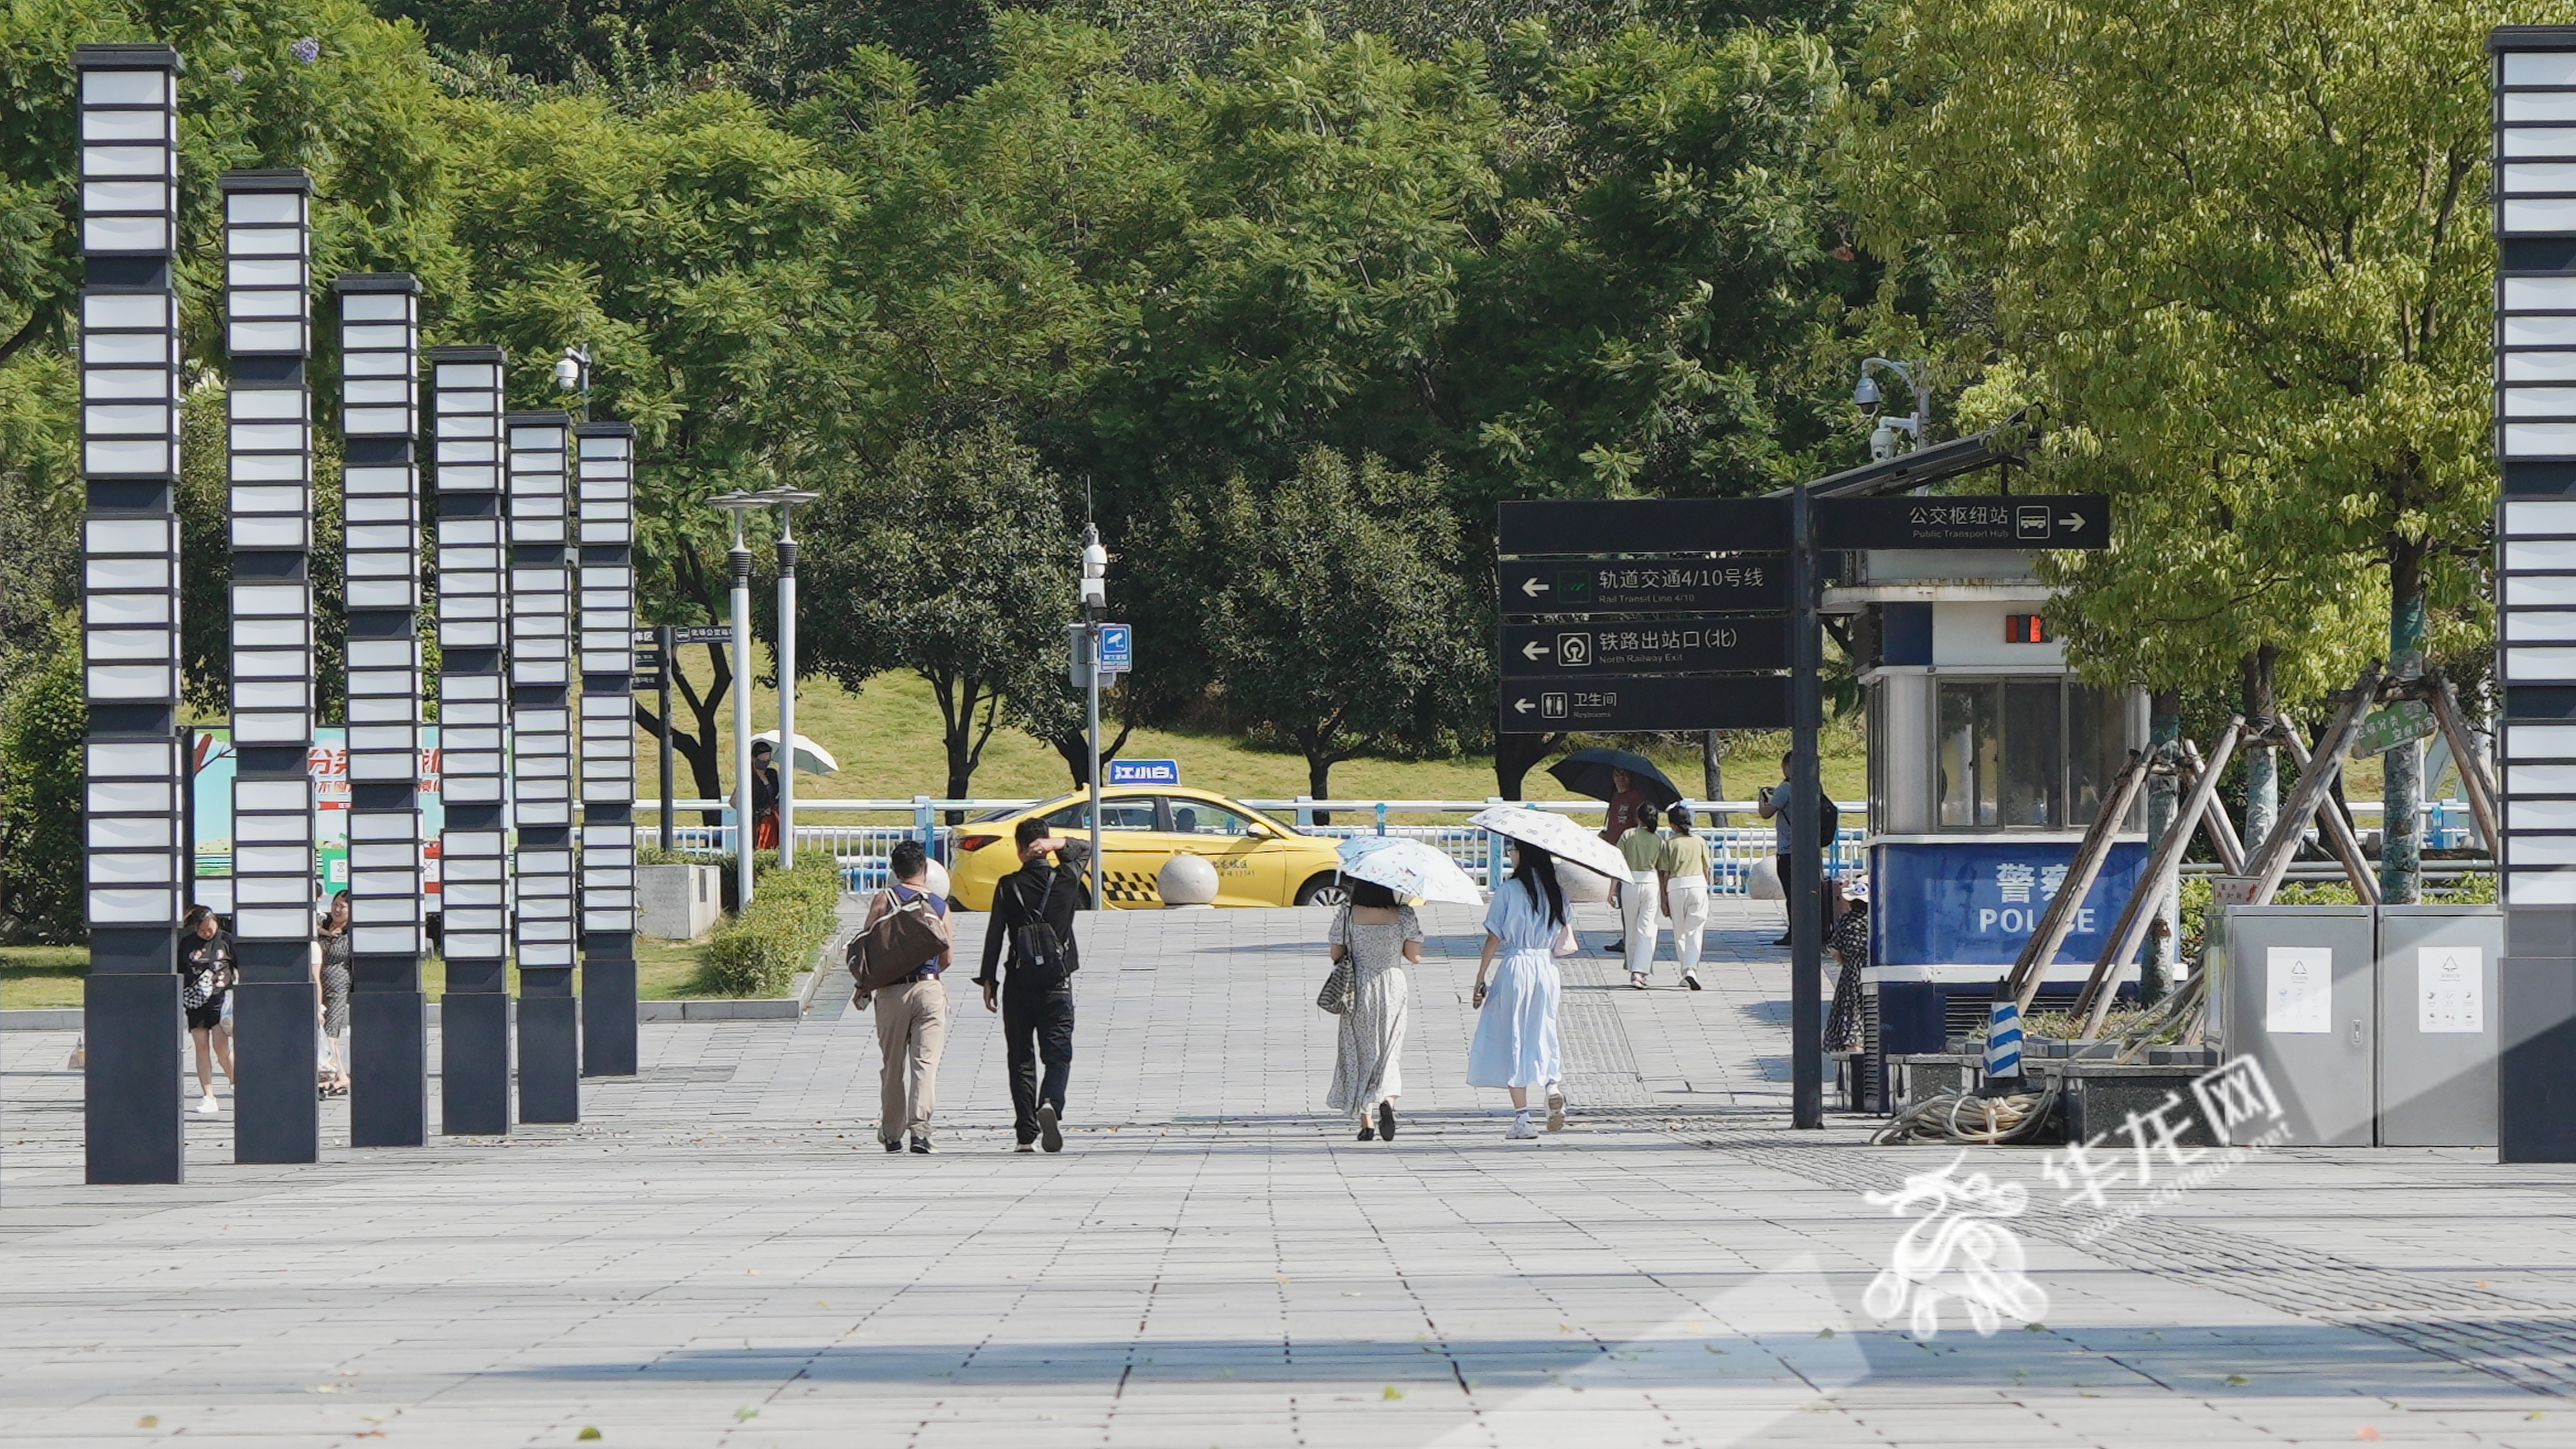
[(1037, 1027)]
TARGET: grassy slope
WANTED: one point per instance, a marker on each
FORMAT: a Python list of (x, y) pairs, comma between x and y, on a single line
[(887, 740)]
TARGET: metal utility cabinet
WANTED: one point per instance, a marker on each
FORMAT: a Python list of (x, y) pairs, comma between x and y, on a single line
[(2374, 1026)]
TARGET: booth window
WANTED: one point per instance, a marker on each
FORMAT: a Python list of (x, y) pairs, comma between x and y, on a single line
[(2028, 754)]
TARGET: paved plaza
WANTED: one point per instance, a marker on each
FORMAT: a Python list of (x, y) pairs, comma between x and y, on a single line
[(720, 1254)]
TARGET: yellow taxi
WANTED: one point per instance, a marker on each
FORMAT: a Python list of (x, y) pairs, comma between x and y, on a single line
[(1258, 860)]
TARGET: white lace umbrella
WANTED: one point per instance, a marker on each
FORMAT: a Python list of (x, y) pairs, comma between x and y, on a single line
[(812, 758), (1556, 835), (1409, 868)]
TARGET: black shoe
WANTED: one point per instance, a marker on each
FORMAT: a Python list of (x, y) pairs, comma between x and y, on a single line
[(892, 1144), (921, 1145), (1050, 1135), (1386, 1120), (1617, 948), (1692, 982), (1368, 1134), (1783, 941)]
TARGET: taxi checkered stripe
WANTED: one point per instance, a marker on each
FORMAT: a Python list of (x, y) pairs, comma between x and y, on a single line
[(1127, 886)]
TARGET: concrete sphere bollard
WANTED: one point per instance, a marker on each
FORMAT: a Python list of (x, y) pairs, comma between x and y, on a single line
[(937, 883), (1582, 887), (1187, 880)]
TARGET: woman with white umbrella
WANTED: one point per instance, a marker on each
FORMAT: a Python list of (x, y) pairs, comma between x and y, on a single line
[(1380, 935), (1515, 1044)]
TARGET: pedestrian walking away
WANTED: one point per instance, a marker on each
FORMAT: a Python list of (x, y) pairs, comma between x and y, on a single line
[(1033, 921), (898, 958), (331, 939), (1682, 877), (764, 797), (1626, 803), (1379, 935), (207, 970), (1641, 894), (1515, 1045)]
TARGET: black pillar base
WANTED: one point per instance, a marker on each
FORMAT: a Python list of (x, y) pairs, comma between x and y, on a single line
[(388, 1068), (474, 1064), (136, 1123), (608, 1019), (277, 1113), (2536, 1066), (549, 1058)]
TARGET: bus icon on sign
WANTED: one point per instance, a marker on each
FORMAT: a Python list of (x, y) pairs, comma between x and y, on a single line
[(2030, 523)]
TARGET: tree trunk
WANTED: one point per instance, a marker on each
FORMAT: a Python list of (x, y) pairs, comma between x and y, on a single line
[(703, 748), (2262, 761), (1712, 772), (1515, 754), (2401, 845), (2164, 729), (1319, 783), (1075, 751)]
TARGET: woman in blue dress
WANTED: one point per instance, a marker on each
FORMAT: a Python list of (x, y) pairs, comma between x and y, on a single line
[(1515, 1043)]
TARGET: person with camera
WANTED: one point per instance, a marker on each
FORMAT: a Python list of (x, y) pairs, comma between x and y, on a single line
[(1033, 917), (1774, 807)]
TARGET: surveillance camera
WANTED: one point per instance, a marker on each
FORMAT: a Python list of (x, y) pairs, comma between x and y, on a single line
[(1865, 395), (567, 375)]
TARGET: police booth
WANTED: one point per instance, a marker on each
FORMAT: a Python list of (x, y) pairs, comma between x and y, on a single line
[(1987, 761)]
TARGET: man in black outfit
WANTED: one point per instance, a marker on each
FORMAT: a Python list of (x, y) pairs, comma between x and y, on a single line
[(1036, 1002)]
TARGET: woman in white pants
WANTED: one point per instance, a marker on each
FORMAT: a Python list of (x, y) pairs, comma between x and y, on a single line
[(1639, 901), (1683, 876)]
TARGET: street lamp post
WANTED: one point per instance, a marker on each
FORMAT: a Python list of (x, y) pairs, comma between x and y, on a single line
[(1095, 603), (787, 500), (1915, 376), (738, 564)]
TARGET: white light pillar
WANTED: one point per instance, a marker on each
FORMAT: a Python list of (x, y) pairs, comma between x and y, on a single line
[(540, 636), (605, 454)]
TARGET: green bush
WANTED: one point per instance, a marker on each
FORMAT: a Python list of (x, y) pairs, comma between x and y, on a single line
[(759, 951), (42, 721)]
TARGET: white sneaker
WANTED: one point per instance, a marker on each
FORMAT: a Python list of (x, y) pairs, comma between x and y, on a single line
[(206, 1105), (1521, 1130)]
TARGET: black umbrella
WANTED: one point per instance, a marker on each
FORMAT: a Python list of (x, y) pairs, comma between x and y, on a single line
[(1587, 772)]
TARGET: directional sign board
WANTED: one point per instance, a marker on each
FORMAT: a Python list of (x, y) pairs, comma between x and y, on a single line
[(1669, 644), (1644, 525), (703, 634), (1643, 585), (1117, 648), (1634, 704), (2075, 520)]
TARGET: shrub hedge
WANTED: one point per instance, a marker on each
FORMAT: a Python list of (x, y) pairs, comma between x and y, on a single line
[(759, 951)]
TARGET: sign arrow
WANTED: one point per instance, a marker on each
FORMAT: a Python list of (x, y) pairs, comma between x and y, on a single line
[(1522, 706), (2073, 523), (1533, 649), (1533, 587)]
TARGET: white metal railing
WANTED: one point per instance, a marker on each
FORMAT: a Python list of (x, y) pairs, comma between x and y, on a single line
[(863, 847)]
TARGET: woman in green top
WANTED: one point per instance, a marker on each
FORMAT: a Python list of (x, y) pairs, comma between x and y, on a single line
[(1639, 928), (1682, 876)]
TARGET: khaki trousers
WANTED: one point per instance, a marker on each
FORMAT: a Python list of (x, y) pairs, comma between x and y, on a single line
[(912, 1026)]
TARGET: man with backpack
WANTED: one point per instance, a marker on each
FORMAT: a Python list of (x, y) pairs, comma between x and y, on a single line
[(1033, 915), (896, 960)]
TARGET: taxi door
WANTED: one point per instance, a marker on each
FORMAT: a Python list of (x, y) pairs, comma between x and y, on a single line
[(1131, 851), (1251, 868)]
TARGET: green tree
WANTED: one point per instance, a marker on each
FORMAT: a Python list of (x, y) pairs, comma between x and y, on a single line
[(958, 563), (1342, 624), (2239, 248), (43, 717)]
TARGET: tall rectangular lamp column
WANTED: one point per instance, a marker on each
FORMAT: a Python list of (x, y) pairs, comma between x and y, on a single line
[(474, 866), (133, 777), (606, 460), (379, 418), (2535, 370), (267, 334), (541, 741)]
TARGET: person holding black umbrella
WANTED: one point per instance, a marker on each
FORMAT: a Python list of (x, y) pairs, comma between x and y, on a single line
[(1627, 782)]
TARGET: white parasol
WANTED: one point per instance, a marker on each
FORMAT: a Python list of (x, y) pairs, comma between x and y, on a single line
[(1408, 868), (812, 758), (1556, 835)]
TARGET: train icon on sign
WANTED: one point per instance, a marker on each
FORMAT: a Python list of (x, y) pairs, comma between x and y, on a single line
[(1574, 651)]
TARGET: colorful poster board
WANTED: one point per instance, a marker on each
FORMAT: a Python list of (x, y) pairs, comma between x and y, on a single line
[(211, 771)]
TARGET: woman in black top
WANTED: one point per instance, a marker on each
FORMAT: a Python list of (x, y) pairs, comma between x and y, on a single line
[(206, 974)]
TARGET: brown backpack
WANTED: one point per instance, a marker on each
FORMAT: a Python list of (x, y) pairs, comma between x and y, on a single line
[(910, 935)]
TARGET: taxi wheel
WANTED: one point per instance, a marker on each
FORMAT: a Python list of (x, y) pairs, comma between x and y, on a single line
[(1324, 890)]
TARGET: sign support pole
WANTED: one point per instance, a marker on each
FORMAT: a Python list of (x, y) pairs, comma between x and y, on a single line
[(1805, 883), (1091, 716), (668, 647)]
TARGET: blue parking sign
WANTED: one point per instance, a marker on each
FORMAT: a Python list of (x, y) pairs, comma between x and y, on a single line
[(1117, 648)]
